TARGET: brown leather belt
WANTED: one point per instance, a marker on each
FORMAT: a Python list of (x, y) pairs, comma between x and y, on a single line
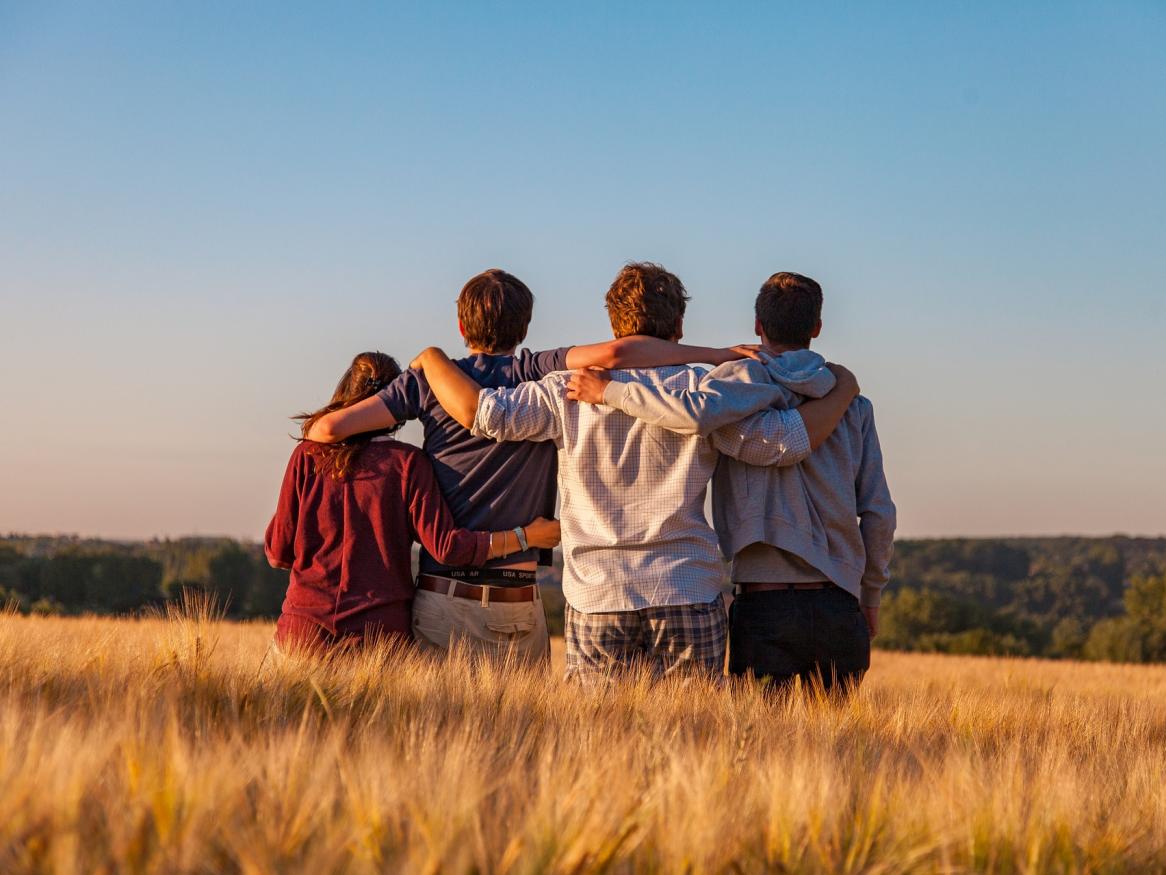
[(441, 585), (769, 587)]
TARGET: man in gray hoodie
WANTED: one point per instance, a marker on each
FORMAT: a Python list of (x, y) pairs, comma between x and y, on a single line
[(810, 543)]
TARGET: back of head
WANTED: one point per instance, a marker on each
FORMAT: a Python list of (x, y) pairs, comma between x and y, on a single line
[(789, 309), (368, 374), (494, 309), (646, 299)]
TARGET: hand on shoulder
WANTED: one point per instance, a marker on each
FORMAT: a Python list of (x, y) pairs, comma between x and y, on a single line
[(845, 381), (588, 385)]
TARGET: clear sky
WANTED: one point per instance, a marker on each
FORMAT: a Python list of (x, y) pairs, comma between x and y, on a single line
[(207, 208)]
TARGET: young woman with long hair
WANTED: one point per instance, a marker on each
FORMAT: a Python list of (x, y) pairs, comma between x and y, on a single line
[(347, 517)]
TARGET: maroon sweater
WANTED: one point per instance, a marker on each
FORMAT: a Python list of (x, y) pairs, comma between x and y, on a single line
[(349, 542)]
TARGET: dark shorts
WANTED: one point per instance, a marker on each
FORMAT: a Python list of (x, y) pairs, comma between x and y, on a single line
[(799, 633)]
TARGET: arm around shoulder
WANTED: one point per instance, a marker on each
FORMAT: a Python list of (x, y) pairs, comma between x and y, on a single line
[(726, 395), (453, 388), (371, 414), (528, 412)]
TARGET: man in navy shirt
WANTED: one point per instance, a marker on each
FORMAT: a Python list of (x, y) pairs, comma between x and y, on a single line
[(488, 485)]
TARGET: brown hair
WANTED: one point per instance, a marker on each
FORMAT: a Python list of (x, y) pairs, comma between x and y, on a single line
[(646, 299), (494, 309), (368, 374), (789, 308)]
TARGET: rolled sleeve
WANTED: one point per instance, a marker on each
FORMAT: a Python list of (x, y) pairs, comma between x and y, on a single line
[(529, 412), (615, 394), (690, 411), (771, 437), (490, 417)]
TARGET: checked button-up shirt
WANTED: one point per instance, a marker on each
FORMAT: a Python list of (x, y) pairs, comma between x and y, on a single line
[(632, 494)]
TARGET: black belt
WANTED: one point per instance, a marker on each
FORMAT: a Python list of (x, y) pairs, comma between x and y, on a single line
[(769, 587)]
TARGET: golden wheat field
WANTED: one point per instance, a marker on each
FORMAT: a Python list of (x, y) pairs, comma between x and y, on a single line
[(174, 746)]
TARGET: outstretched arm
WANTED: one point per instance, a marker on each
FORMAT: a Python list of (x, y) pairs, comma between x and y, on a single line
[(434, 528), (768, 437), (453, 388), (528, 412), (639, 351), (367, 415), (764, 438), (686, 411)]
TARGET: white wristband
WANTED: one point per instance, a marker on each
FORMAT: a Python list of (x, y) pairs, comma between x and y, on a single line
[(521, 535)]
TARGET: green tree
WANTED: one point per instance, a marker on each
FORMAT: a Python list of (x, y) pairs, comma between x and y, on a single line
[(1068, 639), (1115, 639), (230, 574), (266, 592)]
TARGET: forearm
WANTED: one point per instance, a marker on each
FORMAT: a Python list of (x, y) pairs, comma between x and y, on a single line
[(652, 352), (326, 429), (370, 414), (771, 437), (453, 388), (503, 544), (876, 524), (877, 515), (640, 351), (822, 415), (452, 546), (528, 412), (878, 567), (692, 411)]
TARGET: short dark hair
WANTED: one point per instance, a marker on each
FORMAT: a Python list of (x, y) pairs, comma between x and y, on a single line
[(789, 308), (646, 299), (494, 309)]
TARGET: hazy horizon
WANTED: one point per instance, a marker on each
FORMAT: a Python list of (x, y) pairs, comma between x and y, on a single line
[(208, 210)]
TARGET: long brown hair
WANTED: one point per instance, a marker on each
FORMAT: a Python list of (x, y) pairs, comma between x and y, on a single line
[(368, 374)]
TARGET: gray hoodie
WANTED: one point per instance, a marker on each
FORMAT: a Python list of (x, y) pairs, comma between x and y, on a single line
[(833, 509)]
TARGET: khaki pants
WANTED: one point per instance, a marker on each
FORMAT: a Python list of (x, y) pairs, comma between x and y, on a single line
[(496, 629)]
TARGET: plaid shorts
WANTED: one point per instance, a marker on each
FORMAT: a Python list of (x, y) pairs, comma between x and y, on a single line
[(672, 639)]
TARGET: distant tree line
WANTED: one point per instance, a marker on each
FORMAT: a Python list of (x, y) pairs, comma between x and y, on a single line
[(1078, 598), (54, 575), (1075, 598)]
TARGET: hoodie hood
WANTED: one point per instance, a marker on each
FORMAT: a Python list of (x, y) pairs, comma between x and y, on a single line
[(802, 371)]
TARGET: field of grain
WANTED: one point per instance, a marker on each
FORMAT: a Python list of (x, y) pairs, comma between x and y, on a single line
[(174, 745)]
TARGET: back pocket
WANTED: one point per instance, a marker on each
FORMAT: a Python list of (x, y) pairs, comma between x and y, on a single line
[(510, 629)]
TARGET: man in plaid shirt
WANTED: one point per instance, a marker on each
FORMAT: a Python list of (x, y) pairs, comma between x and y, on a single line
[(643, 572)]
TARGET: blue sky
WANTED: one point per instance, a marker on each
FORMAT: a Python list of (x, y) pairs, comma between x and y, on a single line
[(206, 209)]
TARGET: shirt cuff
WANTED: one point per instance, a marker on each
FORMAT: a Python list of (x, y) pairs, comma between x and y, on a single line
[(481, 549), (797, 438), (614, 394), (487, 405)]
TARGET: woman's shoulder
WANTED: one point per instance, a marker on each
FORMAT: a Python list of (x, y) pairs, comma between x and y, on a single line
[(394, 451)]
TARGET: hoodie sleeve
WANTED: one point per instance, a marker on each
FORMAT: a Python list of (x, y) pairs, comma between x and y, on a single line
[(876, 512), (726, 395)]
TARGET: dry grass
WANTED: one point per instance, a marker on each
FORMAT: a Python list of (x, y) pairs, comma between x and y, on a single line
[(173, 746)]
